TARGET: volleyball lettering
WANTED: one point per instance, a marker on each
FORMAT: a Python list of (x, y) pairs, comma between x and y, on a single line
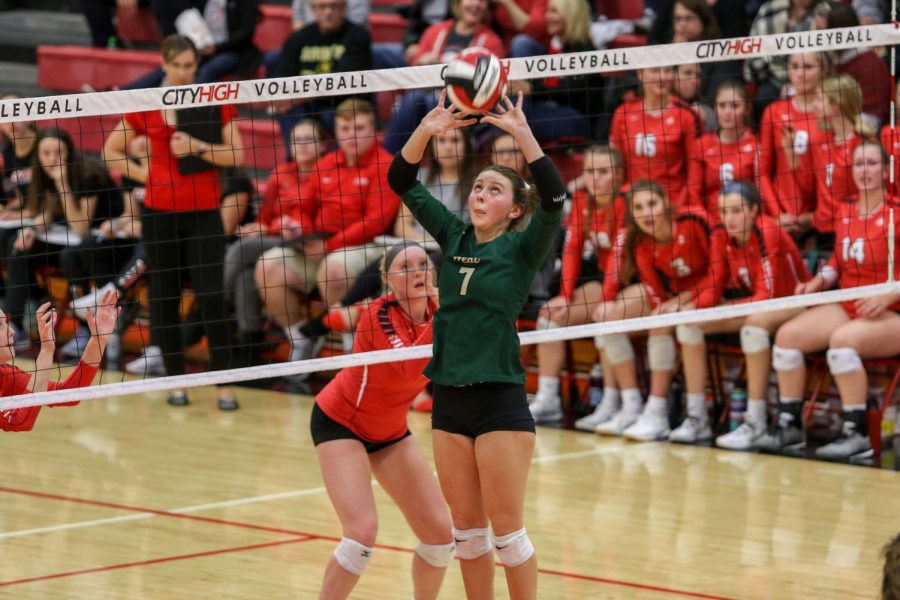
[(475, 80)]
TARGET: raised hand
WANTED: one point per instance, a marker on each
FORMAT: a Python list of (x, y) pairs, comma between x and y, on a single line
[(509, 117), (103, 323), (441, 118), (46, 322)]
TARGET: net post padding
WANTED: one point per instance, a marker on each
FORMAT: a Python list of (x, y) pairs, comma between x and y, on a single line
[(417, 352)]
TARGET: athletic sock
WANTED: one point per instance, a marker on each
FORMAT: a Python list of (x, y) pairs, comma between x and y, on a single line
[(656, 405), (756, 411), (696, 406), (611, 397), (548, 386), (632, 400)]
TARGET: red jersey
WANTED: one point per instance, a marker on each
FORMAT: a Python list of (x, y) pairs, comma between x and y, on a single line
[(715, 163), (783, 189), (591, 233), (353, 203), (657, 146), (282, 196), (14, 382), (372, 400), (861, 246), (680, 265), (833, 168), (167, 188), (768, 265), (890, 139), (537, 21)]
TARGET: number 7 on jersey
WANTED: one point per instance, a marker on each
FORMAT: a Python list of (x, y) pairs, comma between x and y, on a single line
[(467, 273)]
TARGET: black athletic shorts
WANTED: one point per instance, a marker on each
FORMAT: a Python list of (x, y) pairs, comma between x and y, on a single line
[(590, 271), (473, 410), (325, 429)]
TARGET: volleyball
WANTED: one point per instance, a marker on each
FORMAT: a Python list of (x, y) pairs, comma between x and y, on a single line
[(475, 80)]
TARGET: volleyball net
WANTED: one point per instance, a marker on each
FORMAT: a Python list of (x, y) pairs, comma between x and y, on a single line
[(269, 289)]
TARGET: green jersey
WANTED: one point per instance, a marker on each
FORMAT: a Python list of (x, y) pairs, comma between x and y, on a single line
[(483, 288)]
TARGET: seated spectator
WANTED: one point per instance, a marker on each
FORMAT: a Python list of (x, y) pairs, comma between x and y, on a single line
[(345, 204), (68, 191), (785, 153), (728, 154), (269, 230), (687, 87), (863, 64), (563, 107), (850, 331), (232, 25), (101, 17), (770, 73), (522, 24), (439, 44), (19, 143), (731, 17), (331, 44), (421, 15)]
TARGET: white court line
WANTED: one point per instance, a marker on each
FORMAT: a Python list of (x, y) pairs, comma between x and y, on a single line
[(538, 460)]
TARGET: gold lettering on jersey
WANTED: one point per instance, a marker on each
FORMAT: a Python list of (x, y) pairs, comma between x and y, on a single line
[(466, 260), (331, 53)]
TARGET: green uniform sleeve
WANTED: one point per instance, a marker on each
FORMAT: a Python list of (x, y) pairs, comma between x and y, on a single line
[(432, 214)]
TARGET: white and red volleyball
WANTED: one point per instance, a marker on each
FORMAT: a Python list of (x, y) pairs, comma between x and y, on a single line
[(475, 80)]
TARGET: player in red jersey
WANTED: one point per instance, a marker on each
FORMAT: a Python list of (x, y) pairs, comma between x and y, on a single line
[(656, 133), (598, 213), (14, 381), (839, 105), (669, 252), (359, 428), (785, 157), (752, 259), (864, 328), (729, 154)]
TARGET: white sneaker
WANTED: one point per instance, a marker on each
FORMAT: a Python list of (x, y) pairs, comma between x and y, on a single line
[(648, 427), (745, 437), (622, 420), (849, 443), (150, 362), (546, 409), (603, 413), (91, 300), (691, 431)]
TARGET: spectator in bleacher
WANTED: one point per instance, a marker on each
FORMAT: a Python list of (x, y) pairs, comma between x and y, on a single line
[(421, 15), (770, 73), (838, 105), (101, 17), (870, 12), (863, 64), (788, 126), (731, 153), (232, 24), (181, 222), (439, 44), (344, 205), (688, 85), (563, 107), (598, 215), (656, 134), (68, 195), (729, 14), (269, 230), (331, 44), (751, 259), (19, 143), (523, 23), (853, 330)]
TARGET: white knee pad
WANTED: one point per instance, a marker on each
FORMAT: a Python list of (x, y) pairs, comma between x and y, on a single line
[(471, 543), (514, 548), (754, 339), (436, 555), (599, 342), (843, 360), (352, 556), (618, 348), (786, 359), (661, 352), (689, 334), (545, 323)]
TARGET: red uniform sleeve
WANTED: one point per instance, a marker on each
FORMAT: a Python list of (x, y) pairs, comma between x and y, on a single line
[(643, 257), (617, 135), (267, 210), (696, 177), (381, 205), (571, 257), (306, 211), (767, 164), (712, 286), (612, 272), (82, 376), (15, 382), (428, 41)]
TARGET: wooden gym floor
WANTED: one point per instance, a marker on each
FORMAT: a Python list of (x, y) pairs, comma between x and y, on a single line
[(129, 498)]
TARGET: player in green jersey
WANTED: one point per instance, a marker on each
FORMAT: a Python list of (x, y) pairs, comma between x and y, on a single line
[(483, 430)]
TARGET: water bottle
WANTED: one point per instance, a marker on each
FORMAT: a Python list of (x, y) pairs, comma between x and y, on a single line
[(111, 43), (595, 386), (737, 408)]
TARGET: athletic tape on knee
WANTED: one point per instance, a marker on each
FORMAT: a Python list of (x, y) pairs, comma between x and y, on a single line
[(514, 548), (689, 334), (843, 360), (661, 352), (545, 323), (618, 348), (786, 359), (352, 556), (754, 339), (436, 555), (471, 543)]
